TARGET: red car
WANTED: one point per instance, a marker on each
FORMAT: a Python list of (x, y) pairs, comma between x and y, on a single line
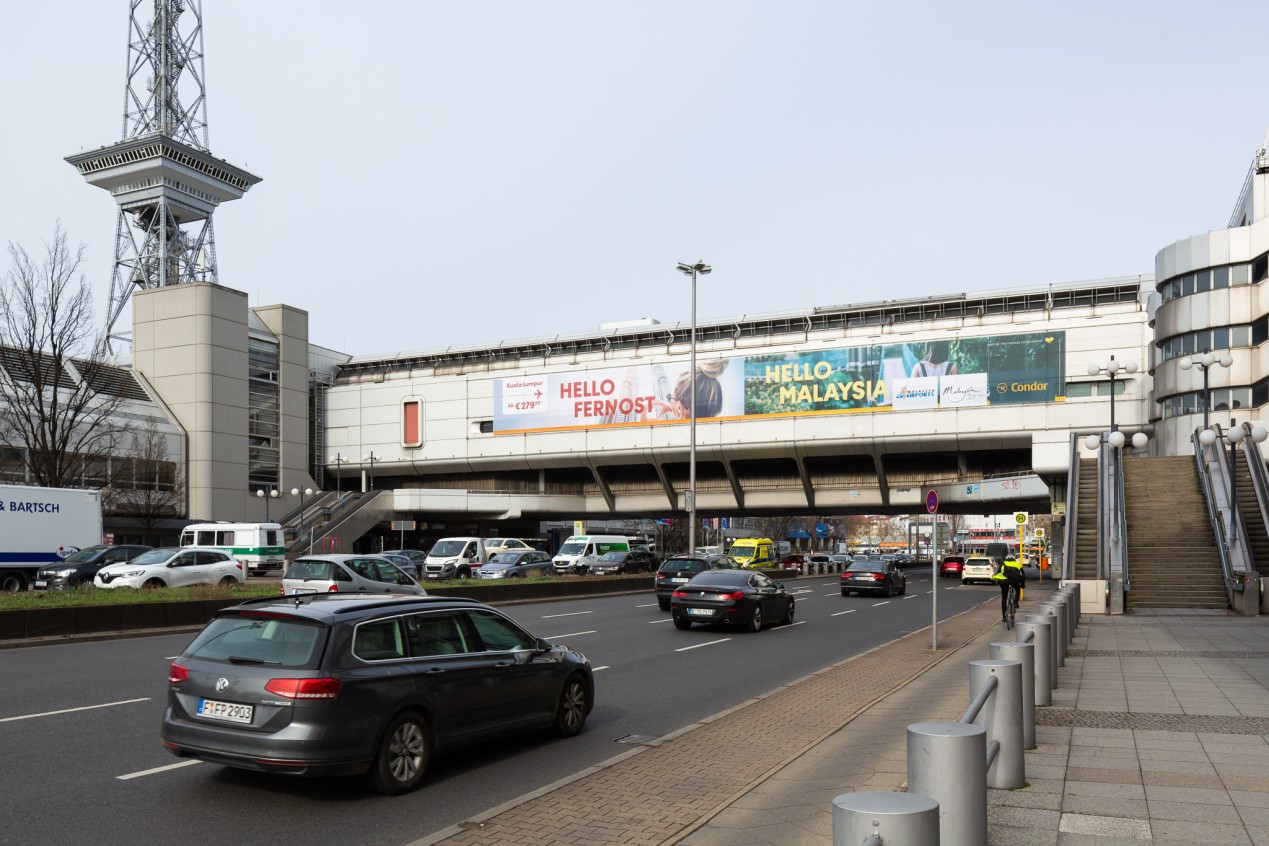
[(951, 566)]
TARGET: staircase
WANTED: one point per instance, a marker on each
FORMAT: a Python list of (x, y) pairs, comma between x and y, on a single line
[(1086, 515), (1249, 511), (341, 522), (1172, 556)]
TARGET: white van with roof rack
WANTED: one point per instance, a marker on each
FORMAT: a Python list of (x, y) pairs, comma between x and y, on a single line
[(260, 547)]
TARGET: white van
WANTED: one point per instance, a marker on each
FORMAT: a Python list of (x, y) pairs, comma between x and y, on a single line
[(259, 546), (454, 558), (580, 552)]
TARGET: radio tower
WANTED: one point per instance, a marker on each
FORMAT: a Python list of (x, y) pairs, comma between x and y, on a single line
[(162, 173)]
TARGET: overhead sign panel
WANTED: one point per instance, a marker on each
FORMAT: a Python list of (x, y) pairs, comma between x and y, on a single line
[(957, 373)]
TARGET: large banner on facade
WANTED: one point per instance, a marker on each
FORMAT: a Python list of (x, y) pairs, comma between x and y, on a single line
[(957, 373)]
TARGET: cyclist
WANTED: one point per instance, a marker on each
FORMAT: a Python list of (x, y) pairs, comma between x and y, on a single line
[(1009, 574)]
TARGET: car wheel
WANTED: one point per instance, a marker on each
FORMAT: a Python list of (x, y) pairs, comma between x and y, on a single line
[(903, 587), (154, 584), (229, 582), (664, 604), (788, 615), (755, 622), (403, 755), (845, 592), (682, 623), (570, 715), (464, 574), (889, 591)]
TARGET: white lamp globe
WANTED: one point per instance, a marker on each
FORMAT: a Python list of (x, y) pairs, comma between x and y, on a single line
[(1130, 367), (1236, 435), (1092, 442), (1258, 434), (1185, 364), (295, 491), (1112, 367), (1207, 437), (1116, 439), (1139, 440), (1209, 359), (1093, 370), (1226, 360)]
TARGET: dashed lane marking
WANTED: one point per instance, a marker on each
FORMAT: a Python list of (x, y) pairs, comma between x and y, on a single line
[(840, 613), (569, 614), (157, 770), (571, 634), (875, 604), (699, 645), (73, 710)]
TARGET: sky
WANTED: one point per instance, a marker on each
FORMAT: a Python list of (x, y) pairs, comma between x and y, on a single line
[(460, 173)]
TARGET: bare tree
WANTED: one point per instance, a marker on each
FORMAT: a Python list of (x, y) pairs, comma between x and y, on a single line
[(49, 349), (147, 484)]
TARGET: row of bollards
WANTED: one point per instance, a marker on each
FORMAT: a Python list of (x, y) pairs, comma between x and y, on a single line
[(951, 765)]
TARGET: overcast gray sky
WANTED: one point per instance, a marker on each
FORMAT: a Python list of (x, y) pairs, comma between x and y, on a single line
[(456, 173)]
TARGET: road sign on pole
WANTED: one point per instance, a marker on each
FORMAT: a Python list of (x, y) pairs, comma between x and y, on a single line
[(1020, 517), (932, 502)]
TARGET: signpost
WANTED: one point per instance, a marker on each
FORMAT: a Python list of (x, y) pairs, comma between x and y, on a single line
[(932, 506), (401, 526)]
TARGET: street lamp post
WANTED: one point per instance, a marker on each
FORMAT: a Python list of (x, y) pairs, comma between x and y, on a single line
[(303, 492), (338, 461), (1204, 363), (272, 494), (1111, 369), (692, 270), (371, 459)]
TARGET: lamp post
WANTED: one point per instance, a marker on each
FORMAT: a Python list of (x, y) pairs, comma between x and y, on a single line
[(303, 492), (1111, 369), (338, 461), (1204, 363), (371, 459), (272, 494), (692, 270)]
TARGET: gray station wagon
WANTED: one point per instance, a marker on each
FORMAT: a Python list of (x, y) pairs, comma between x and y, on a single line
[(347, 574)]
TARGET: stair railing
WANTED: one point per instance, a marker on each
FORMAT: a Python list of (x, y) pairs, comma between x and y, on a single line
[(355, 504), (1072, 510), (1213, 513), (1259, 475)]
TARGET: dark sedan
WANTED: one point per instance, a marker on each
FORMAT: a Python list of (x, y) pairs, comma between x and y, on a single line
[(81, 568), (883, 577), (634, 561), (731, 597), (680, 569)]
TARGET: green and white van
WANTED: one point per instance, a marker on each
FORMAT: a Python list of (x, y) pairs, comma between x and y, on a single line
[(259, 546), (579, 553)]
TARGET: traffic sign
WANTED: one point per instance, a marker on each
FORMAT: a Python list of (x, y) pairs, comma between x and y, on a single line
[(1020, 517), (1039, 533), (932, 502), (403, 525)]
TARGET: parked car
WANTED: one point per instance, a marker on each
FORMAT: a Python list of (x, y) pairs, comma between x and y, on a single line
[(841, 560), (332, 684), (404, 562), (179, 566), (905, 558), (977, 568), (347, 574), (952, 566), (493, 546), (418, 556), (633, 561), (680, 569), (793, 561), (731, 597), (80, 568), (516, 564), (883, 577)]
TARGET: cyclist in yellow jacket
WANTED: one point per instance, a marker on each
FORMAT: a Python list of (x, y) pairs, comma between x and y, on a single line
[(1009, 573)]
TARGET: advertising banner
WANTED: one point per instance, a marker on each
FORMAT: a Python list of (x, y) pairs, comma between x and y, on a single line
[(941, 374)]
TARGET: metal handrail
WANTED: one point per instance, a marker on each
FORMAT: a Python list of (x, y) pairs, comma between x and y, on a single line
[(1120, 515), (1072, 509), (1213, 515), (1259, 477)]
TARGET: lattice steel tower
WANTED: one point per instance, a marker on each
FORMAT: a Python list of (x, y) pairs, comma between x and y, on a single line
[(162, 173)]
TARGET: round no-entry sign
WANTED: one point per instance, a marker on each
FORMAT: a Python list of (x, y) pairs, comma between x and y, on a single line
[(932, 502)]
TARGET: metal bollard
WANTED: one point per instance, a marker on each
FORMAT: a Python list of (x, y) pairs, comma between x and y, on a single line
[(1042, 633), (948, 763), (1024, 654), (1001, 715), (1072, 613), (904, 819), (1059, 630), (1074, 588)]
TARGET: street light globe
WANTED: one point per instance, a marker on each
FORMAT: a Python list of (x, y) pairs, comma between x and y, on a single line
[(1236, 435), (1226, 360), (1112, 367), (308, 491), (1208, 359), (295, 491), (1207, 437), (1258, 434), (1094, 369), (1139, 440), (260, 492), (1130, 367), (273, 494), (1185, 364), (1116, 439), (1092, 442)]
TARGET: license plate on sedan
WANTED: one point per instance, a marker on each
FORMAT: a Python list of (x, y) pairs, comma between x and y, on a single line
[(229, 712), (679, 581), (700, 612), (39, 583)]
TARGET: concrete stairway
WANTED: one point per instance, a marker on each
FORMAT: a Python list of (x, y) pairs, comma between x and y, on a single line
[(1172, 556), (1086, 527)]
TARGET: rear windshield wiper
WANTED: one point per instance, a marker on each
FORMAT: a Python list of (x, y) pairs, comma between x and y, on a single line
[(238, 659)]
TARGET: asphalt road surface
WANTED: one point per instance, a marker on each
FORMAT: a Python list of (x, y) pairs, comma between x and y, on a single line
[(82, 761)]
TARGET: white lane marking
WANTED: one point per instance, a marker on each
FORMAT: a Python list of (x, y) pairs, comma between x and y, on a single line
[(706, 643), (171, 658), (569, 614), (649, 605), (834, 593), (912, 596), (799, 592), (157, 770), (73, 710), (827, 584), (929, 591), (666, 620), (840, 613), (875, 604), (597, 669), (789, 626), (571, 634)]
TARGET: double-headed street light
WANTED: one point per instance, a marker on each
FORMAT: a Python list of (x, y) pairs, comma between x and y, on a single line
[(371, 459), (272, 493), (1111, 369), (692, 270), (303, 492), (1204, 363), (338, 461)]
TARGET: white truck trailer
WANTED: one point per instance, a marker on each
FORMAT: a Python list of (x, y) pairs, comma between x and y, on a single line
[(42, 526)]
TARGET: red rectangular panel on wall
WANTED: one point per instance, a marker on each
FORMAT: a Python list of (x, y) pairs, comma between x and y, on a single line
[(412, 423)]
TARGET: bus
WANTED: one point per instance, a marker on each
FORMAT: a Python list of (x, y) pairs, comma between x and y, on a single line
[(258, 546)]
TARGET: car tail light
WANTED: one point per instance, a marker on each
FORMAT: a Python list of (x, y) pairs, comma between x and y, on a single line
[(734, 596), (304, 688), (238, 564), (680, 593), (876, 577), (176, 673), (281, 591), (333, 589)]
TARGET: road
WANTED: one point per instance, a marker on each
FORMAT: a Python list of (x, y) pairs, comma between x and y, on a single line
[(83, 763)]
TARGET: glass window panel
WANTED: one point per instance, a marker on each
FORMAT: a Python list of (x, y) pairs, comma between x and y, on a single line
[(1202, 282), (1079, 389), (1260, 332), (1187, 285), (1188, 345), (1220, 278), (1239, 336), (1220, 338), (1220, 399), (1240, 274), (1260, 393), (1240, 397)]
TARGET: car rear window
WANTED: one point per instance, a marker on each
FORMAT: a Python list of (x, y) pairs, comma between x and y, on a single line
[(723, 578), (685, 565), (260, 638), (303, 568), (866, 566)]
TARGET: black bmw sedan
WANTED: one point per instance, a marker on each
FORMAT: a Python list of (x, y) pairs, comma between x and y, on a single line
[(882, 577), (731, 597)]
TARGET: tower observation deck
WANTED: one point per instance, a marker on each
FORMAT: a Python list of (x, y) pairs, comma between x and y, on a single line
[(162, 174)]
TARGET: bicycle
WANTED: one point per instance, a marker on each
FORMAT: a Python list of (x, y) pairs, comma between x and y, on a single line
[(1012, 605)]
